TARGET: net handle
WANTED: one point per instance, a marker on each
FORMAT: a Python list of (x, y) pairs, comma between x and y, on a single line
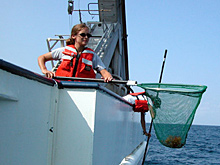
[(164, 59), (126, 82), (161, 75)]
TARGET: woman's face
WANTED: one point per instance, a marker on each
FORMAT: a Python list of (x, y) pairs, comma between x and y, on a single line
[(82, 38)]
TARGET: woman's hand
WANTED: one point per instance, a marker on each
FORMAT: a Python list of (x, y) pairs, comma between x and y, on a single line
[(107, 79), (41, 62), (147, 134), (48, 73), (106, 75)]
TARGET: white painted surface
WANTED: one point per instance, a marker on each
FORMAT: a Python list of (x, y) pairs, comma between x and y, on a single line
[(24, 124), (75, 127), (116, 133), (89, 126), (94, 127)]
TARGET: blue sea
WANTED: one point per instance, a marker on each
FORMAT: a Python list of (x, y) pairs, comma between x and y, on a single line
[(202, 147)]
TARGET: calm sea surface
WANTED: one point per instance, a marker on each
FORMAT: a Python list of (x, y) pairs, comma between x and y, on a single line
[(202, 147)]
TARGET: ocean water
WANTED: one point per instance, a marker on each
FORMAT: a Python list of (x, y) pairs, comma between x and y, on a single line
[(202, 147)]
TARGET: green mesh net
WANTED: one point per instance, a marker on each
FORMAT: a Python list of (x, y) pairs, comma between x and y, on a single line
[(172, 107)]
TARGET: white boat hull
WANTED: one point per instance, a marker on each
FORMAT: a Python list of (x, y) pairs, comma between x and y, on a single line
[(75, 123)]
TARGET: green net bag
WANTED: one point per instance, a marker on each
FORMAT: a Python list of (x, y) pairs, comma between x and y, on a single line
[(173, 109)]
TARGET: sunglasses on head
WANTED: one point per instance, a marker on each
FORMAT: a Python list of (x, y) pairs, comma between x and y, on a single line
[(84, 34)]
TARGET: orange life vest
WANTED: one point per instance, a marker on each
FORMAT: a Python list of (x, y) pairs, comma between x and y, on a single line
[(140, 105), (76, 65)]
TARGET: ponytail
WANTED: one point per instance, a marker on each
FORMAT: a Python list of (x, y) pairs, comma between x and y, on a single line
[(75, 30), (70, 41)]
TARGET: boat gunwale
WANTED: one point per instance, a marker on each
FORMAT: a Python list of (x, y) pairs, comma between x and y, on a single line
[(94, 85), (14, 69)]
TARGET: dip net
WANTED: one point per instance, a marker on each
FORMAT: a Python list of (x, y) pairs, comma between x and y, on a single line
[(172, 107)]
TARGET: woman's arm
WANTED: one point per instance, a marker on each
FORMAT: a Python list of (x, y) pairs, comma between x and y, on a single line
[(143, 125), (41, 62)]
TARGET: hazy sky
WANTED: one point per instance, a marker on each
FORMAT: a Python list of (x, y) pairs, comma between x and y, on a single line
[(189, 30)]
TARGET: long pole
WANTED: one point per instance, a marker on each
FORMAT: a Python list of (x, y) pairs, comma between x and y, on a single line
[(126, 82), (151, 124), (164, 59)]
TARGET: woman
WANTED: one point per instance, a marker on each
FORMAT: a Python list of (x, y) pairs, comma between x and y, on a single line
[(77, 60)]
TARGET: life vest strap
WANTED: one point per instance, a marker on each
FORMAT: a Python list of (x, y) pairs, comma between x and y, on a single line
[(76, 64)]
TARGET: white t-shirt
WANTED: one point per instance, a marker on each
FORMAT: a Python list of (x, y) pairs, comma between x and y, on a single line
[(97, 63)]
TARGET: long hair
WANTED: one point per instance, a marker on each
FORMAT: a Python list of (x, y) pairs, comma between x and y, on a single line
[(75, 30)]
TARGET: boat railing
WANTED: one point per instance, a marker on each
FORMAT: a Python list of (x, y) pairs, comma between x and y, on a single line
[(104, 41)]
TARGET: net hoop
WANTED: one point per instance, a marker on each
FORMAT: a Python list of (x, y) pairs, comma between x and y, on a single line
[(177, 88)]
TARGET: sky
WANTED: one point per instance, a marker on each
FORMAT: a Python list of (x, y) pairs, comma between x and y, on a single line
[(189, 30)]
